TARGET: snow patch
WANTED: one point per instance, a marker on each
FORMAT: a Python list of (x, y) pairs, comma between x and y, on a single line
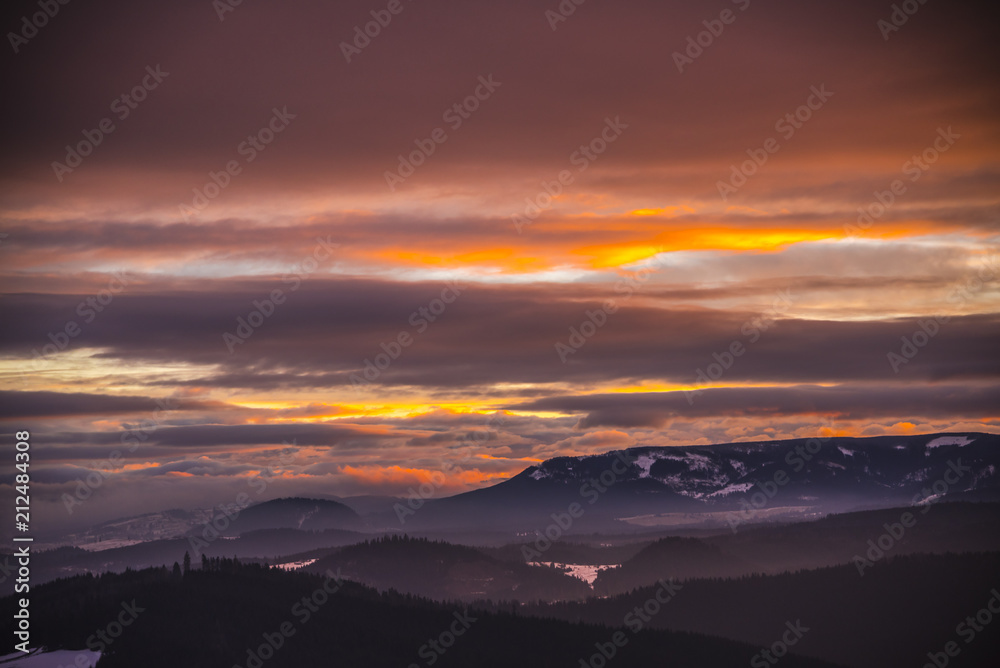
[(738, 466), (540, 474), (699, 462), (294, 565), (920, 475), (695, 462), (586, 572), (645, 462), (107, 545), (949, 440), (731, 489)]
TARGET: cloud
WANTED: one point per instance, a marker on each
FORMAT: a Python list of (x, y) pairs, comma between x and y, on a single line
[(647, 208), (61, 404), (325, 331), (840, 403), (354, 119)]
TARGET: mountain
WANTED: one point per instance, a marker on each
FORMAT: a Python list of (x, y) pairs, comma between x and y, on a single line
[(245, 615), (442, 571), (724, 485), (293, 513)]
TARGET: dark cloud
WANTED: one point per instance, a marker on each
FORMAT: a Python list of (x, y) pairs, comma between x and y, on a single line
[(846, 402), (210, 436), (60, 404), (611, 59), (326, 330)]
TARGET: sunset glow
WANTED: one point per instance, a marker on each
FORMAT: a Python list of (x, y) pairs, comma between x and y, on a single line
[(562, 275)]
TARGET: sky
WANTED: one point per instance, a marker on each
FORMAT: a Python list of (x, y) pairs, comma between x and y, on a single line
[(244, 240)]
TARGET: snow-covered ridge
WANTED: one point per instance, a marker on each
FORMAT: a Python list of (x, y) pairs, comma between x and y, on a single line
[(718, 473)]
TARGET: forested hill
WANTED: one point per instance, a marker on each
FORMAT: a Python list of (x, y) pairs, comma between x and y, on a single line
[(893, 614), (210, 618)]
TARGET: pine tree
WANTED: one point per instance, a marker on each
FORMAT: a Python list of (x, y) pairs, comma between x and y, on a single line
[(187, 563)]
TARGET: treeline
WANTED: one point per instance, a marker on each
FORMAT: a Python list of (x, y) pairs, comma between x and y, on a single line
[(214, 617)]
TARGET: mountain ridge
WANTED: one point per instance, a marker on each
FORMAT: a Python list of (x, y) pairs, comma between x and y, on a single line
[(729, 483)]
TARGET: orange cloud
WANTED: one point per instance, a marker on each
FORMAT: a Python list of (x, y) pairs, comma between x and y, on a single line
[(399, 476)]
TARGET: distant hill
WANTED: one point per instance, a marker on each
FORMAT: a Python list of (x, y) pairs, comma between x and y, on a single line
[(944, 527), (294, 513), (669, 558), (571, 553), (442, 571)]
